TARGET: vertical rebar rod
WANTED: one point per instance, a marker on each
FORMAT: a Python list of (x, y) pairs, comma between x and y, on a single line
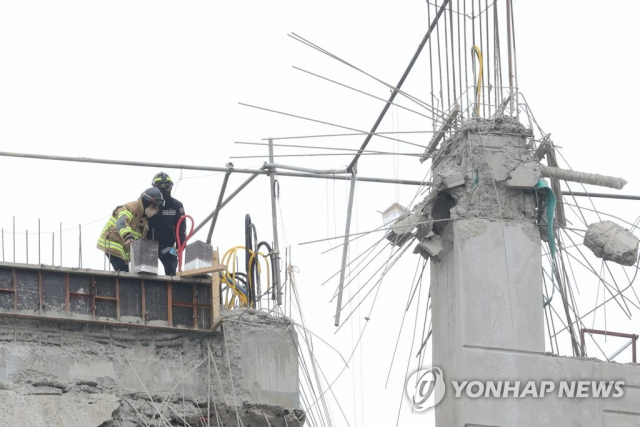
[(39, 261), (439, 63), (446, 62), (345, 248), (515, 58), (453, 54), (430, 62), (274, 219), (464, 49), (484, 96), (60, 244), (488, 53), (510, 57), (80, 246), (3, 245), (459, 54), (53, 248), (27, 240), (14, 239)]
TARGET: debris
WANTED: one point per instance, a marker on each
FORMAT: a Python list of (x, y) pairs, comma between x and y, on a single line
[(430, 247), (611, 242), (453, 179), (524, 177)]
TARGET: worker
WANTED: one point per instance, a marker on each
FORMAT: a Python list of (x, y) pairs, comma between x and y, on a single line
[(162, 227), (128, 222)]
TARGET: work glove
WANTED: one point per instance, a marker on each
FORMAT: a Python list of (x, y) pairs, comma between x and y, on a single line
[(128, 239), (174, 252)]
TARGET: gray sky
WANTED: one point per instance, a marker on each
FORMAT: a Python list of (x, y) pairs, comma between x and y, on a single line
[(161, 81)]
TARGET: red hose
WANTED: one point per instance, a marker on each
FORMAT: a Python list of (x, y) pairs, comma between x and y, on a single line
[(179, 244)]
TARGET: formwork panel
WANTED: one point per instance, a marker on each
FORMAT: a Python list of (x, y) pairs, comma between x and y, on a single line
[(6, 279), (80, 305), (204, 293), (105, 309), (6, 300), (28, 291), (183, 316), (182, 293), (79, 284), (204, 318), (156, 300), (130, 298), (53, 291), (105, 286)]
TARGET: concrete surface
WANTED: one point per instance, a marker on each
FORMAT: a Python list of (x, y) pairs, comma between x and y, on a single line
[(247, 371)]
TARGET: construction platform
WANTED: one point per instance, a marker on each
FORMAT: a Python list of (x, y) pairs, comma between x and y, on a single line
[(134, 300)]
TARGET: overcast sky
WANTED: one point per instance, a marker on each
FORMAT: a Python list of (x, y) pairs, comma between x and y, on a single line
[(161, 81)]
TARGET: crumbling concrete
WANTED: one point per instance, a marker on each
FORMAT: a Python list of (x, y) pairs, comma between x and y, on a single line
[(99, 375), (611, 242), (487, 289)]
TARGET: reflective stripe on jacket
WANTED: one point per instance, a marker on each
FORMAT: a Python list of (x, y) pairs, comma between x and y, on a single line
[(127, 219)]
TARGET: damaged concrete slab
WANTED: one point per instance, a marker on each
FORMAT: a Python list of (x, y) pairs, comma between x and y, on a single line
[(109, 375)]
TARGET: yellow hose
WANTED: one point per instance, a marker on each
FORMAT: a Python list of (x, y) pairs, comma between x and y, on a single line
[(237, 298), (475, 49)]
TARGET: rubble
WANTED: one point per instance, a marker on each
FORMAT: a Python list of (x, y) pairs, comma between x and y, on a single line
[(611, 242)]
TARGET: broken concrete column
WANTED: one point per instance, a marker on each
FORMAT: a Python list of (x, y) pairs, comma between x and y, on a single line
[(611, 242)]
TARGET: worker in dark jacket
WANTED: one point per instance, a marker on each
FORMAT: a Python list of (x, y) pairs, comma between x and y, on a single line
[(128, 222), (162, 227)]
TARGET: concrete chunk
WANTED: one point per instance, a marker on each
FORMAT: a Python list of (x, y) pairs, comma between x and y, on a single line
[(430, 247), (523, 177), (611, 242), (453, 179)]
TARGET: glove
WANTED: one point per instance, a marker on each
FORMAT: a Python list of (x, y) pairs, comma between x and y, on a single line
[(128, 239), (173, 252)]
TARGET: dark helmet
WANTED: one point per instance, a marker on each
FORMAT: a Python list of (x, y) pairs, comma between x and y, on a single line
[(162, 181), (153, 195)]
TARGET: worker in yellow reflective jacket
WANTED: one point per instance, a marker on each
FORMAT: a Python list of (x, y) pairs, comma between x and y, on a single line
[(128, 223)]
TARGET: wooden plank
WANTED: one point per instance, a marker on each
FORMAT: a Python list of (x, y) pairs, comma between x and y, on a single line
[(202, 271), (98, 297), (75, 295), (170, 303), (215, 293), (541, 151)]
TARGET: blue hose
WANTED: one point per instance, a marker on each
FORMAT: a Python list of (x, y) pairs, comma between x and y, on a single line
[(551, 211)]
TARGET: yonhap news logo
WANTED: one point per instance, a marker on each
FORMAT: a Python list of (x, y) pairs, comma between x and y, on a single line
[(426, 388)]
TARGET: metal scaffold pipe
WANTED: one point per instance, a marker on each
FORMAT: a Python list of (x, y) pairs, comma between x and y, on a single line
[(202, 168)]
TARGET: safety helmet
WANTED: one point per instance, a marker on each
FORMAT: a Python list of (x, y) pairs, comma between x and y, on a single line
[(162, 181), (153, 195)]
